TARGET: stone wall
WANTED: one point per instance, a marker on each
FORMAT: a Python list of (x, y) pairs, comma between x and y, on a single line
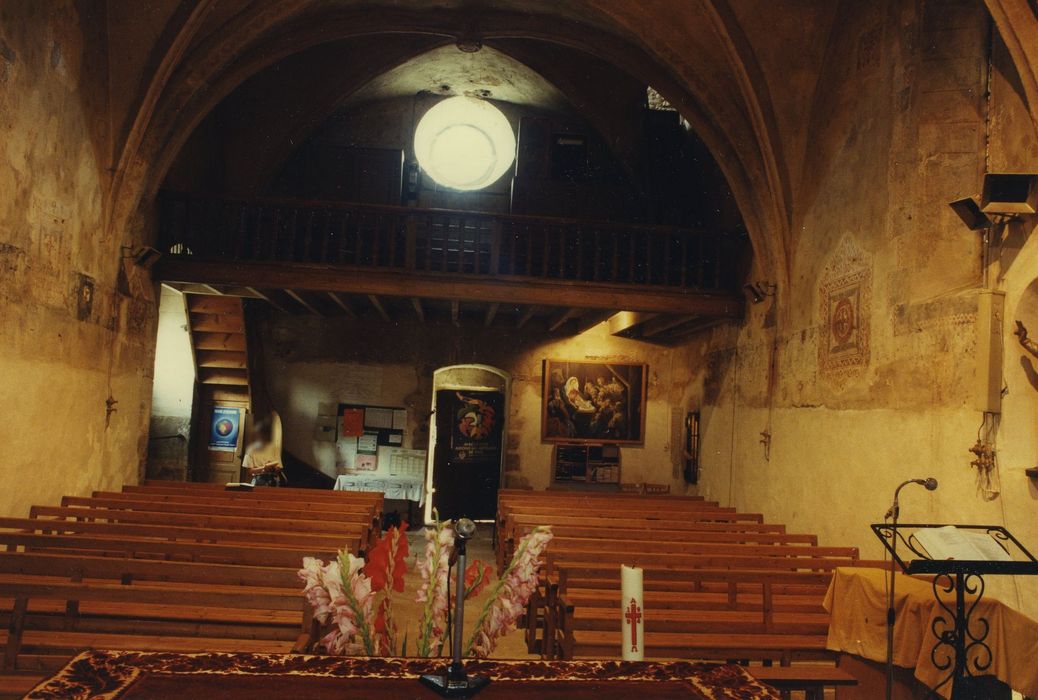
[(75, 355), (864, 371)]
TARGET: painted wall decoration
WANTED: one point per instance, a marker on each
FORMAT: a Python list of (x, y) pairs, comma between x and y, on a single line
[(845, 294), (224, 429), (601, 402)]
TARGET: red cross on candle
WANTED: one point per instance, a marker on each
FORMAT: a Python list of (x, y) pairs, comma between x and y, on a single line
[(633, 617)]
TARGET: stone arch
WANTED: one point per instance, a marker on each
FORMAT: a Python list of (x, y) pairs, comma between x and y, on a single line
[(198, 71)]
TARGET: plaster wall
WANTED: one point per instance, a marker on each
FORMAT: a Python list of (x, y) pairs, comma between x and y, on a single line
[(70, 339), (309, 360), (172, 392)]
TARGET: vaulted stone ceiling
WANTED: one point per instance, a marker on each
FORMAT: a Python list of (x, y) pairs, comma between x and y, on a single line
[(484, 73), (265, 119), (745, 74)]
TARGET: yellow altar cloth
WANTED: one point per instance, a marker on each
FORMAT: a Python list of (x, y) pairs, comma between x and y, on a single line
[(857, 603)]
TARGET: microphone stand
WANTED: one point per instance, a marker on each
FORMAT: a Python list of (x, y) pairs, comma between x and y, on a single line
[(894, 512), (454, 682)]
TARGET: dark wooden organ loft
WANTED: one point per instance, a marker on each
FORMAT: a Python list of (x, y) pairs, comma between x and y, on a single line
[(408, 264)]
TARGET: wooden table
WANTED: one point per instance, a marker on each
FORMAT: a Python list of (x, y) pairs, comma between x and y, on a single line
[(106, 675)]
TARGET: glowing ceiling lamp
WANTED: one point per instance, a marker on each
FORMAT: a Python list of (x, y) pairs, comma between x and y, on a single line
[(464, 143)]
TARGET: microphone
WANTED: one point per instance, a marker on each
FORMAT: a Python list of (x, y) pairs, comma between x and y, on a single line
[(464, 528), (929, 483)]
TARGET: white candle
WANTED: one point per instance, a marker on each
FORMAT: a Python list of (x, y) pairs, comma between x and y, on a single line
[(632, 614)]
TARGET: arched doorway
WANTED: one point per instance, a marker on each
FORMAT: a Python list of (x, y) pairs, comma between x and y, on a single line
[(466, 441)]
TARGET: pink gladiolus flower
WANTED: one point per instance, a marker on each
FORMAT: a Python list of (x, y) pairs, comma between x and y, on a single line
[(510, 594), (432, 594), (341, 594)]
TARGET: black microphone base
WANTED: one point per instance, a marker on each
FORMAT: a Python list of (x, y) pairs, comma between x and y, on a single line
[(454, 682)]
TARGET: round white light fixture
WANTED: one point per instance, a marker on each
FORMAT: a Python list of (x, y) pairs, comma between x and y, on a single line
[(464, 143)]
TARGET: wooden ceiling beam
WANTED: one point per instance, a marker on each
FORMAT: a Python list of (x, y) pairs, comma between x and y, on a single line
[(377, 303), (525, 316), (303, 300), (271, 297), (306, 276), (342, 304), (662, 324), (560, 318), (419, 311), (590, 319), (491, 313), (625, 323), (696, 326)]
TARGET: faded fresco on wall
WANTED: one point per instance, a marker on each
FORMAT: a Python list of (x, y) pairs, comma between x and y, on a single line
[(845, 295)]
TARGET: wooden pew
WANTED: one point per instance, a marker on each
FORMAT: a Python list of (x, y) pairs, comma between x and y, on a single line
[(169, 569), (252, 524), (99, 544), (317, 542), (347, 513), (611, 528), (257, 501), (50, 599), (811, 679), (504, 495), (749, 627), (288, 494)]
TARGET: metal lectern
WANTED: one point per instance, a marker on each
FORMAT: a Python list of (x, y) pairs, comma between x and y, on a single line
[(959, 634)]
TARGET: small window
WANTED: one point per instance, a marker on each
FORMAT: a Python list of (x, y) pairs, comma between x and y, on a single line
[(657, 101)]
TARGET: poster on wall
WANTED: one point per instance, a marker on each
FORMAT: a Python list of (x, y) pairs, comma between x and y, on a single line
[(223, 432), (600, 402), (477, 420)]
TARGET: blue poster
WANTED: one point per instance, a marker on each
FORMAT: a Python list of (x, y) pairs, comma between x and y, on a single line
[(223, 435)]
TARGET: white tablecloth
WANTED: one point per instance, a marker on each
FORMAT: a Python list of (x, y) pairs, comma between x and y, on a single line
[(400, 487)]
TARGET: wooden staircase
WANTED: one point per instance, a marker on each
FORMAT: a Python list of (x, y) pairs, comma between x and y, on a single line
[(217, 326)]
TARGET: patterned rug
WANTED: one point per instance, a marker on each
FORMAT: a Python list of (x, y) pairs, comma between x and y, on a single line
[(128, 675)]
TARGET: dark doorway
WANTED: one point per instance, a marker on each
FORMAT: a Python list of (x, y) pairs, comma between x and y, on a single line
[(467, 455)]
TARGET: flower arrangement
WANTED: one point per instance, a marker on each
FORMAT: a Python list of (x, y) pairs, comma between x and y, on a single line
[(353, 600), (510, 595)]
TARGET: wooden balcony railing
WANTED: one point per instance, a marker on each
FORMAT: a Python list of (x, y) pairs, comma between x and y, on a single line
[(447, 241)]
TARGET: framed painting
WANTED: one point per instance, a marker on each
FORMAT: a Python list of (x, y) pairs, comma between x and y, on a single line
[(593, 402)]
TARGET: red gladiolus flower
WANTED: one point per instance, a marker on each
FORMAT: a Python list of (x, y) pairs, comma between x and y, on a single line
[(477, 577), (386, 564)]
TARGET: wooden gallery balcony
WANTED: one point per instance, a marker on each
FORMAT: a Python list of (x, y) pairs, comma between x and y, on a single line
[(331, 257)]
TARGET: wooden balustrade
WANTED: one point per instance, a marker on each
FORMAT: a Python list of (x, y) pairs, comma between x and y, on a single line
[(446, 241)]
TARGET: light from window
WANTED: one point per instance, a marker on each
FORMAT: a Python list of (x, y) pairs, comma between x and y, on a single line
[(464, 143)]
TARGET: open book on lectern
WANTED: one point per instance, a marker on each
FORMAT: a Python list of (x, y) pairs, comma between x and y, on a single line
[(949, 542)]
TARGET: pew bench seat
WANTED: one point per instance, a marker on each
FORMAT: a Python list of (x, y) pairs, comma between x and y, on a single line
[(812, 679), (784, 648)]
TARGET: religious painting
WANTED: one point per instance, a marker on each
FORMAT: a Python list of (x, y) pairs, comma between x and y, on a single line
[(599, 402), (845, 295)]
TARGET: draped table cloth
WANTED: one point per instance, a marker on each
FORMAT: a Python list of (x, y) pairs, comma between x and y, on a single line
[(130, 675), (857, 603), (395, 487)]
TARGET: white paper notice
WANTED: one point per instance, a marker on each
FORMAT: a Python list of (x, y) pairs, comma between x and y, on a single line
[(633, 620)]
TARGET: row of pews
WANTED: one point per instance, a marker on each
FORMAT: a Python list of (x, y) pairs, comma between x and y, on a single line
[(167, 567), (719, 584)]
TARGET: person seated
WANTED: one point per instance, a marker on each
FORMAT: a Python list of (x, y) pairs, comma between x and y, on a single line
[(263, 455)]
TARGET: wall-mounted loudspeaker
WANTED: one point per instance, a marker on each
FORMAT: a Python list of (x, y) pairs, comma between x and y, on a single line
[(1010, 194)]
